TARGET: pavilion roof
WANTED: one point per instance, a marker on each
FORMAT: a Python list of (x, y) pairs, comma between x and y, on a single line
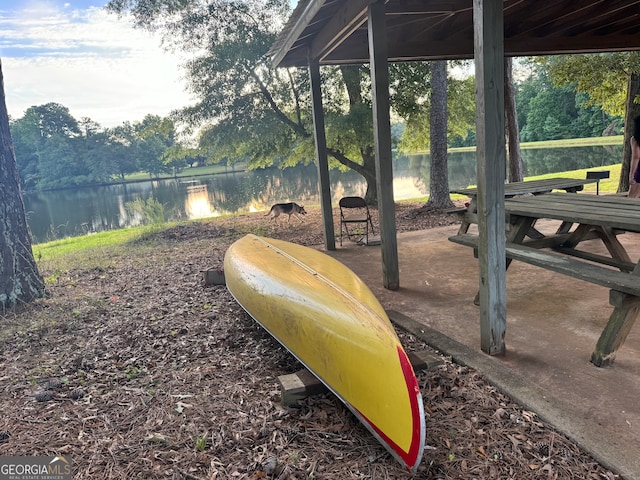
[(335, 31)]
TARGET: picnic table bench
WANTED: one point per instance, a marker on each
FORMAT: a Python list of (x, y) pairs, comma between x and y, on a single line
[(582, 217), (531, 187)]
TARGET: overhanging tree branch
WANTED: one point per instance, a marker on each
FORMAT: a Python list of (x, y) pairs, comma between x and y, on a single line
[(344, 160), (298, 128)]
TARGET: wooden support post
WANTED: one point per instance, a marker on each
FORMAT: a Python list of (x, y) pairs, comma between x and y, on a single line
[(321, 155), (491, 157), (382, 143), (615, 248), (625, 313)]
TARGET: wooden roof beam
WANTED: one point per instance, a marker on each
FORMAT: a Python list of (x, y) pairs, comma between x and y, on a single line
[(295, 31), (418, 7), (548, 18), (343, 23)]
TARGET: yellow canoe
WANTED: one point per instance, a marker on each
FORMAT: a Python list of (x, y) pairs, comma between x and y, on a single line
[(332, 323)]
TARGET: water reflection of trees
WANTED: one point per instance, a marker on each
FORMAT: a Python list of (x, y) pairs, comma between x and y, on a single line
[(549, 160), (85, 210), (259, 189), (462, 165)]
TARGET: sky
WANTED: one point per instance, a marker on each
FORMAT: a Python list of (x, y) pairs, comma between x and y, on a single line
[(76, 54)]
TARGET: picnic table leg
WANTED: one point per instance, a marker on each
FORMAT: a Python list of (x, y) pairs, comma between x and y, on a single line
[(616, 249), (608, 237), (624, 315), (533, 233), (521, 226), (564, 228), (576, 236), (471, 209)]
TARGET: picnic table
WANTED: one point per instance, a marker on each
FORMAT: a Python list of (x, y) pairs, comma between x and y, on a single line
[(581, 217), (532, 187)]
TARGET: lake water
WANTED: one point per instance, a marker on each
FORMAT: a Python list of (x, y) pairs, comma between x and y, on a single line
[(62, 213)]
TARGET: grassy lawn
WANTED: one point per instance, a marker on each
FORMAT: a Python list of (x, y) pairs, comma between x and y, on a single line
[(570, 142), (608, 185), (68, 246), (189, 172)]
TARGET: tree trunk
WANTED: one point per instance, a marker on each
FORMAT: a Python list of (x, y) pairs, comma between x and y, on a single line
[(439, 197), (632, 111), (362, 124), (516, 168), (20, 280), (371, 195)]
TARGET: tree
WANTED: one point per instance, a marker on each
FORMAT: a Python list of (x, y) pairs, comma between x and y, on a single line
[(439, 178), (412, 95), (549, 113), (47, 137), (250, 111), (548, 109), (121, 144), (20, 281), (612, 81), (154, 136), (59, 165), (53, 150), (93, 148), (446, 110), (26, 143), (516, 168), (52, 119)]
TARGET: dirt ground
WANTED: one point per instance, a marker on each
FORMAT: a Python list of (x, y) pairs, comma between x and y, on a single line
[(138, 371)]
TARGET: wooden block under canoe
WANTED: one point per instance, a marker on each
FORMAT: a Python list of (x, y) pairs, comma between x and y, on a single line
[(302, 384), (213, 276)]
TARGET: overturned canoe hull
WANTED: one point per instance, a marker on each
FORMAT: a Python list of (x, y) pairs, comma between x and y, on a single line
[(331, 322)]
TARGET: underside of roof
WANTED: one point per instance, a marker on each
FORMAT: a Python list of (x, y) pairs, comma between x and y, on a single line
[(335, 32)]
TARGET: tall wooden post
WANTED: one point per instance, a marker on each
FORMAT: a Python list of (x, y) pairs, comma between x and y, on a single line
[(491, 157), (382, 142), (321, 155)]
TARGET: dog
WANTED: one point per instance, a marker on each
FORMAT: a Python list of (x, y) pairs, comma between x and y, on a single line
[(290, 208)]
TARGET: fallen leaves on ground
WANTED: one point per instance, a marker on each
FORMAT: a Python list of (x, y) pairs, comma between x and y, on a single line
[(138, 371)]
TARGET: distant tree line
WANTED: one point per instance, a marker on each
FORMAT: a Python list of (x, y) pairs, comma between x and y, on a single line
[(54, 150), (547, 111)]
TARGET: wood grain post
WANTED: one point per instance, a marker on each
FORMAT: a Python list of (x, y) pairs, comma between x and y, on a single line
[(321, 155), (491, 157), (382, 141)]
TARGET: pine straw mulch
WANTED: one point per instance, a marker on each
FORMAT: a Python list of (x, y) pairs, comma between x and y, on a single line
[(138, 371)]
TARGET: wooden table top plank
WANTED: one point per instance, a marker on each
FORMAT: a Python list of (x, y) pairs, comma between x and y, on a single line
[(591, 215), (614, 212), (533, 186), (562, 205), (622, 206), (603, 199)]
